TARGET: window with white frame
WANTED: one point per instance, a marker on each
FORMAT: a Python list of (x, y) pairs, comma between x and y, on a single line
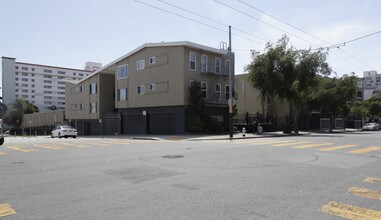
[(217, 92), (122, 95), (93, 88), (140, 65), (227, 67), (227, 92), (152, 60), (93, 107), (204, 63), (192, 60), (218, 65), (204, 90), (140, 89), (152, 87), (122, 71)]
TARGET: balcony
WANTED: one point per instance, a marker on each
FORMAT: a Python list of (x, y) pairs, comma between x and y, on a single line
[(213, 71)]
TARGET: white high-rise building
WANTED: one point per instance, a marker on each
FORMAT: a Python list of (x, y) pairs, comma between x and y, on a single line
[(42, 85), (371, 84)]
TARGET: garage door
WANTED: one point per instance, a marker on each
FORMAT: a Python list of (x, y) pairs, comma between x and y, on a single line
[(162, 123), (133, 124)]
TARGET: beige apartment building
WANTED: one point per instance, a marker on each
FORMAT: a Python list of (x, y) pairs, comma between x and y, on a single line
[(148, 90)]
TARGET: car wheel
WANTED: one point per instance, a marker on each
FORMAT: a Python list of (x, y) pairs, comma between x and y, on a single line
[(1, 140), (51, 136), (59, 135), (74, 136)]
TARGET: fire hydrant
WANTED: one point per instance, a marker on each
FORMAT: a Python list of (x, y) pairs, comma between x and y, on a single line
[(243, 131)]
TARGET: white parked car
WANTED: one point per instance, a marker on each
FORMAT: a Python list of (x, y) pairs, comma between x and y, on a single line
[(371, 127), (64, 131)]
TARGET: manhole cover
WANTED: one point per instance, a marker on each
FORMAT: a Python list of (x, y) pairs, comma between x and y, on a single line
[(173, 156)]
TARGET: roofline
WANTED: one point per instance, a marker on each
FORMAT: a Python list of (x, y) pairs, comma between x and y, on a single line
[(57, 67), (161, 44), (11, 58)]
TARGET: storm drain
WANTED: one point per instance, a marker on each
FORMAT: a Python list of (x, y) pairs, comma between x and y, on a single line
[(173, 156)]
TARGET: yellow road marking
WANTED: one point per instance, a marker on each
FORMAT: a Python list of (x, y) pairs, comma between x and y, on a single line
[(6, 209), (337, 147), (291, 143), (22, 149), (48, 147), (373, 180), (366, 193), (1, 152), (269, 142), (364, 150), (312, 145), (350, 212)]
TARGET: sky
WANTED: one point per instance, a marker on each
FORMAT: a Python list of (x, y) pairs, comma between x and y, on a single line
[(71, 32)]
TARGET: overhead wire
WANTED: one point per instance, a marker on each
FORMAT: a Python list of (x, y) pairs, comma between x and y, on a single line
[(301, 30), (210, 19), (199, 22)]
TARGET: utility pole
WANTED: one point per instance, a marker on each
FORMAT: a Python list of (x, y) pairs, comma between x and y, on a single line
[(231, 75)]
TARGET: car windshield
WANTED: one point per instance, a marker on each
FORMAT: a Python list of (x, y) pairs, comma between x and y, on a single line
[(67, 127)]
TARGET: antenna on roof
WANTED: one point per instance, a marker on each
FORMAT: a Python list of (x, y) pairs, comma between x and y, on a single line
[(223, 46)]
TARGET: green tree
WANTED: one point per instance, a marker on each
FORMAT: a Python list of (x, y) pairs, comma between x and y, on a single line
[(331, 95), (19, 108), (359, 110), (374, 106), (285, 72)]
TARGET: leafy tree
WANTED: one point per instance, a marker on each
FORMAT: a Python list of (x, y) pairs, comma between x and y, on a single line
[(331, 95), (374, 106), (358, 110), (285, 72), (19, 108)]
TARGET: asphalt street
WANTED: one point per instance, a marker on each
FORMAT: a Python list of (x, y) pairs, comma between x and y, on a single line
[(317, 176)]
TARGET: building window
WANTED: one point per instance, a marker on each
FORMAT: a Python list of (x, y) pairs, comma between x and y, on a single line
[(227, 67), (17, 67), (93, 88), (227, 92), (33, 91), (204, 63), (47, 92), (16, 84), (152, 60), (47, 81), (93, 107), (140, 65), (24, 90), (204, 89), (74, 74), (32, 80), (81, 106), (217, 91), (48, 76), (24, 96), (61, 83), (218, 65), (32, 85), (60, 93), (47, 102), (79, 88), (16, 90), (122, 95), (47, 87), (60, 87), (122, 72), (192, 60), (61, 103), (24, 68), (140, 89), (33, 70), (61, 77), (17, 73), (81, 74), (24, 74), (24, 85), (152, 87), (24, 80), (60, 72), (47, 97), (47, 71), (17, 79)]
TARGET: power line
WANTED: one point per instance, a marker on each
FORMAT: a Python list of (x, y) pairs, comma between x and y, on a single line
[(350, 41), (199, 22), (299, 29), (273, 26), (218, 22)]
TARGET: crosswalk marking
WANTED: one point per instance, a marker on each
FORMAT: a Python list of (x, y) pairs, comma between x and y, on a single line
[(373, 180), (364, 150), (269, 142), (312, 145), (6, 210), (337, 147), (350, 212), (291, 143), (48, 147), (21, 149), (366, 193)]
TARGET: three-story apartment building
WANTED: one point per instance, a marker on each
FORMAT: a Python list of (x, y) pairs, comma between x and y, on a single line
[(150, 90)]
